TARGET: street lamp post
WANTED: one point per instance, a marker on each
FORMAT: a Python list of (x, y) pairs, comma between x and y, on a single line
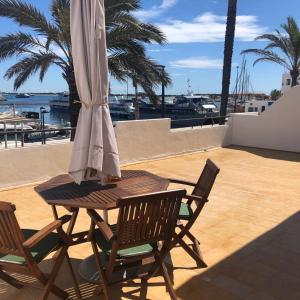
[(43, 111)]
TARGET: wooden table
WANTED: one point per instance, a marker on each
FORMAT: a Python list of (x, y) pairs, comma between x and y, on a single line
[(62, 191)]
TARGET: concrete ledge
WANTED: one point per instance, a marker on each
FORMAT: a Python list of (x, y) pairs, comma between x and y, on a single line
[(137, 141)]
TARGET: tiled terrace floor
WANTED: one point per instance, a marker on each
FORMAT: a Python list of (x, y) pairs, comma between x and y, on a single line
[(249, 230)]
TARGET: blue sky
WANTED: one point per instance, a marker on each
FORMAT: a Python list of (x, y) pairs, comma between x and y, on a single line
[(195, 31)]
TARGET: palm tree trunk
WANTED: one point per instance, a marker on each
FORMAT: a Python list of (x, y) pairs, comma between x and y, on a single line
[(74, 102), (295, 75), (228, 51)]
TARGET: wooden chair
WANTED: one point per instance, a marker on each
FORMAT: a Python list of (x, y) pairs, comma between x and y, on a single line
[(21, 250), (199, 196), (143, 221)]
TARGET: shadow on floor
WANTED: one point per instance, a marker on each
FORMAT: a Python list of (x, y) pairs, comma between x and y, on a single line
[(268, 268), (131, 290), (267, 153)]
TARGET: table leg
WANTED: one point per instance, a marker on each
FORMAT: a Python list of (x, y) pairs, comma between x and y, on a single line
[(72, 221), (70, 226), (54, 211)]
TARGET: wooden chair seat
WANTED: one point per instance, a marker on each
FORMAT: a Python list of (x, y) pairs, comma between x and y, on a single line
[(106, 246), (185, 212), (38, 252)]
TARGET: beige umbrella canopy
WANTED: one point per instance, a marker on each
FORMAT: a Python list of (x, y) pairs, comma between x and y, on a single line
[(95, 153)]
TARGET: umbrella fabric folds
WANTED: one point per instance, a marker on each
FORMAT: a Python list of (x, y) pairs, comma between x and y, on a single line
[(95, 153)]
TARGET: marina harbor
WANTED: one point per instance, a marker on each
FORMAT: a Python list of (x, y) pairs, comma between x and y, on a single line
[(29, 118)]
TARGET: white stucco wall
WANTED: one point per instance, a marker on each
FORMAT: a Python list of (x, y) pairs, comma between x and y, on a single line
[(147, 139), (137, 140), (31, 164), (277, 128)]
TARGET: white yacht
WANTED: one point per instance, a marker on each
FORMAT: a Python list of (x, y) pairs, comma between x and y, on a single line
[(61, 102), (121, 107), (22, 95)]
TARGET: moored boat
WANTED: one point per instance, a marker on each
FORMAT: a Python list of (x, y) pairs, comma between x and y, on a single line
[(61, 102), (22, 95)]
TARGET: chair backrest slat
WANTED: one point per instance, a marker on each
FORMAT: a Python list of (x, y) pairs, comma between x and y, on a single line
[(147, 218), (206, 180), (11, 237)]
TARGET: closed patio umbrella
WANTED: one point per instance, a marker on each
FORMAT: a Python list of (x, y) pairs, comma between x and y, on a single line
[(95, 153)]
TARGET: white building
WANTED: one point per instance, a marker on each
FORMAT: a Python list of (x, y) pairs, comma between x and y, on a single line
[(258, 105), (287, 82)]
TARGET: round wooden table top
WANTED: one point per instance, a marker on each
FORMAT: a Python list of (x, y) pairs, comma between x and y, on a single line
[(62, 191)]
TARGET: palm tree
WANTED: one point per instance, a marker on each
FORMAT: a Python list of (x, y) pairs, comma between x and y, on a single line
[(48, 43), (287, 45), (228, 51), (275, 94)]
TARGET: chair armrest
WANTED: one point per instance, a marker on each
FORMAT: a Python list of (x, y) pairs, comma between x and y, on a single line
[(101, 224), (195, 198), (180, 181), (41, 234)]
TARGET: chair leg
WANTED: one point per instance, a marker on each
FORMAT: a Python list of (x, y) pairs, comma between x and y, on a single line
[(196, 244), (198, 251), (102, 278), (196, 256), (11, 280), (76, 286), (55, 289), (144, 288), (167, 279), (50, 282), (191, 237)]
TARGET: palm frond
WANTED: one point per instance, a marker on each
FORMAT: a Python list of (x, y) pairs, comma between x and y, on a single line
[(140, 69), (112, 6), (266, 55), (277, 40), (60, 10), (26, 14), (149, 33), (18, 43), (28, 66), (291, 27), (131, 27), (286, 43), (124, 44), (293, 32)]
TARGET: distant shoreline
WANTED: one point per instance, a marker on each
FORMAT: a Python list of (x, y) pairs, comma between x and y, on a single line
[(133, 95)]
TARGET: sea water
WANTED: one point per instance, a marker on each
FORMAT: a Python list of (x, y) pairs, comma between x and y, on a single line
[(35, 104)]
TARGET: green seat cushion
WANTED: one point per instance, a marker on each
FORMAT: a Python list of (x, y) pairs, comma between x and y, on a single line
[(132, 251), (38, 252), (185, 211)]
